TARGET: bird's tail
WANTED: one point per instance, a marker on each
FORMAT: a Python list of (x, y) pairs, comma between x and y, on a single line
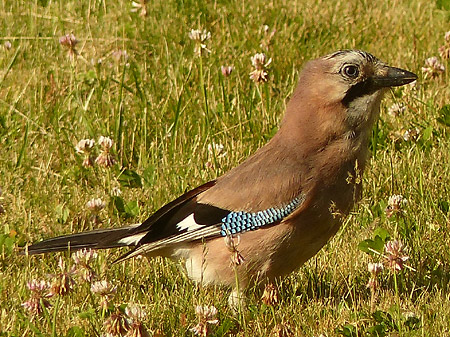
[(96, 239)]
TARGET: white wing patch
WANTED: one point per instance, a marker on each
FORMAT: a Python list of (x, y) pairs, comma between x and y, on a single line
[(133, 239), (189, 224)]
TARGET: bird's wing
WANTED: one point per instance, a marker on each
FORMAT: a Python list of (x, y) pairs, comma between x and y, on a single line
[(183, 220), (191, 220), (253, 195), (160, 225)]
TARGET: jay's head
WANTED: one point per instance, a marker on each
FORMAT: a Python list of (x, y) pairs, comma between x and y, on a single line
[(354, 74), (345, 89)]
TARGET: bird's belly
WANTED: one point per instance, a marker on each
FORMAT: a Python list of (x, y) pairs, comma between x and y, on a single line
[(266, 253)]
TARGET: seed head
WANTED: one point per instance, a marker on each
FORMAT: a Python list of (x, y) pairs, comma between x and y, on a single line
[(444, 52), (2, 209), (270, 295), (232, 243), (63, 282), (116, 325), (282, 330)]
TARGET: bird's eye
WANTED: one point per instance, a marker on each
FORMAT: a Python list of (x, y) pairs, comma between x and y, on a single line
[(351, 71)]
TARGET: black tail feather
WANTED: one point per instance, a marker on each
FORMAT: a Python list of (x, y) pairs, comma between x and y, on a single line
[(96, 239)]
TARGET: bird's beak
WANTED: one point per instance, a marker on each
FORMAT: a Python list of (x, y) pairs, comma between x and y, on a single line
[(392, 77)]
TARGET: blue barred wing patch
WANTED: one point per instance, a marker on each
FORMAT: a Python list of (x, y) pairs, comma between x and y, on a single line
[(239, 222)]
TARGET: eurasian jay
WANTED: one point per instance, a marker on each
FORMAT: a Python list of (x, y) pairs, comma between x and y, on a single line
[(280, 206)]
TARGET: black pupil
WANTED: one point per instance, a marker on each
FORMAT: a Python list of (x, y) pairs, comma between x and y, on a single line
[(351, 71)]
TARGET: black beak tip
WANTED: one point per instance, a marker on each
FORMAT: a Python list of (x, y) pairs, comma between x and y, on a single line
[(397, 77), (394, 77), (408, 76)]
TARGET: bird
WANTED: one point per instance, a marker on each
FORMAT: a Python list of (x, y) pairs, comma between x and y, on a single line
[(267, 216)]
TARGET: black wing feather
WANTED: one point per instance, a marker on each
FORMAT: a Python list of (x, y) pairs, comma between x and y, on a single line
[(160, 225), (163, 223)]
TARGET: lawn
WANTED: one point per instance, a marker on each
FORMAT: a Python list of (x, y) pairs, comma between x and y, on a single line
[(73, 70)]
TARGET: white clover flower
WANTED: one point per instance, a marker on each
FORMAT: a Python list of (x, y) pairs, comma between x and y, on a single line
[(103, 288), (135, 312), (396, 109), (82, 259), (105, 142), (206, 315), (117, 56), (95, 205), (85, 146), (411, 134), (38, 286), (140, 7), (69, 41), (433, 67), (38, 301), (217, 150), (105, 158), (200, 37), (84, 256), (395, 254), (116, 192), (226, 70), (375, 268), (261, 64), (396, 204)]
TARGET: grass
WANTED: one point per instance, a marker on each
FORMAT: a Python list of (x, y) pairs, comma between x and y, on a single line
[(163, 105)]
